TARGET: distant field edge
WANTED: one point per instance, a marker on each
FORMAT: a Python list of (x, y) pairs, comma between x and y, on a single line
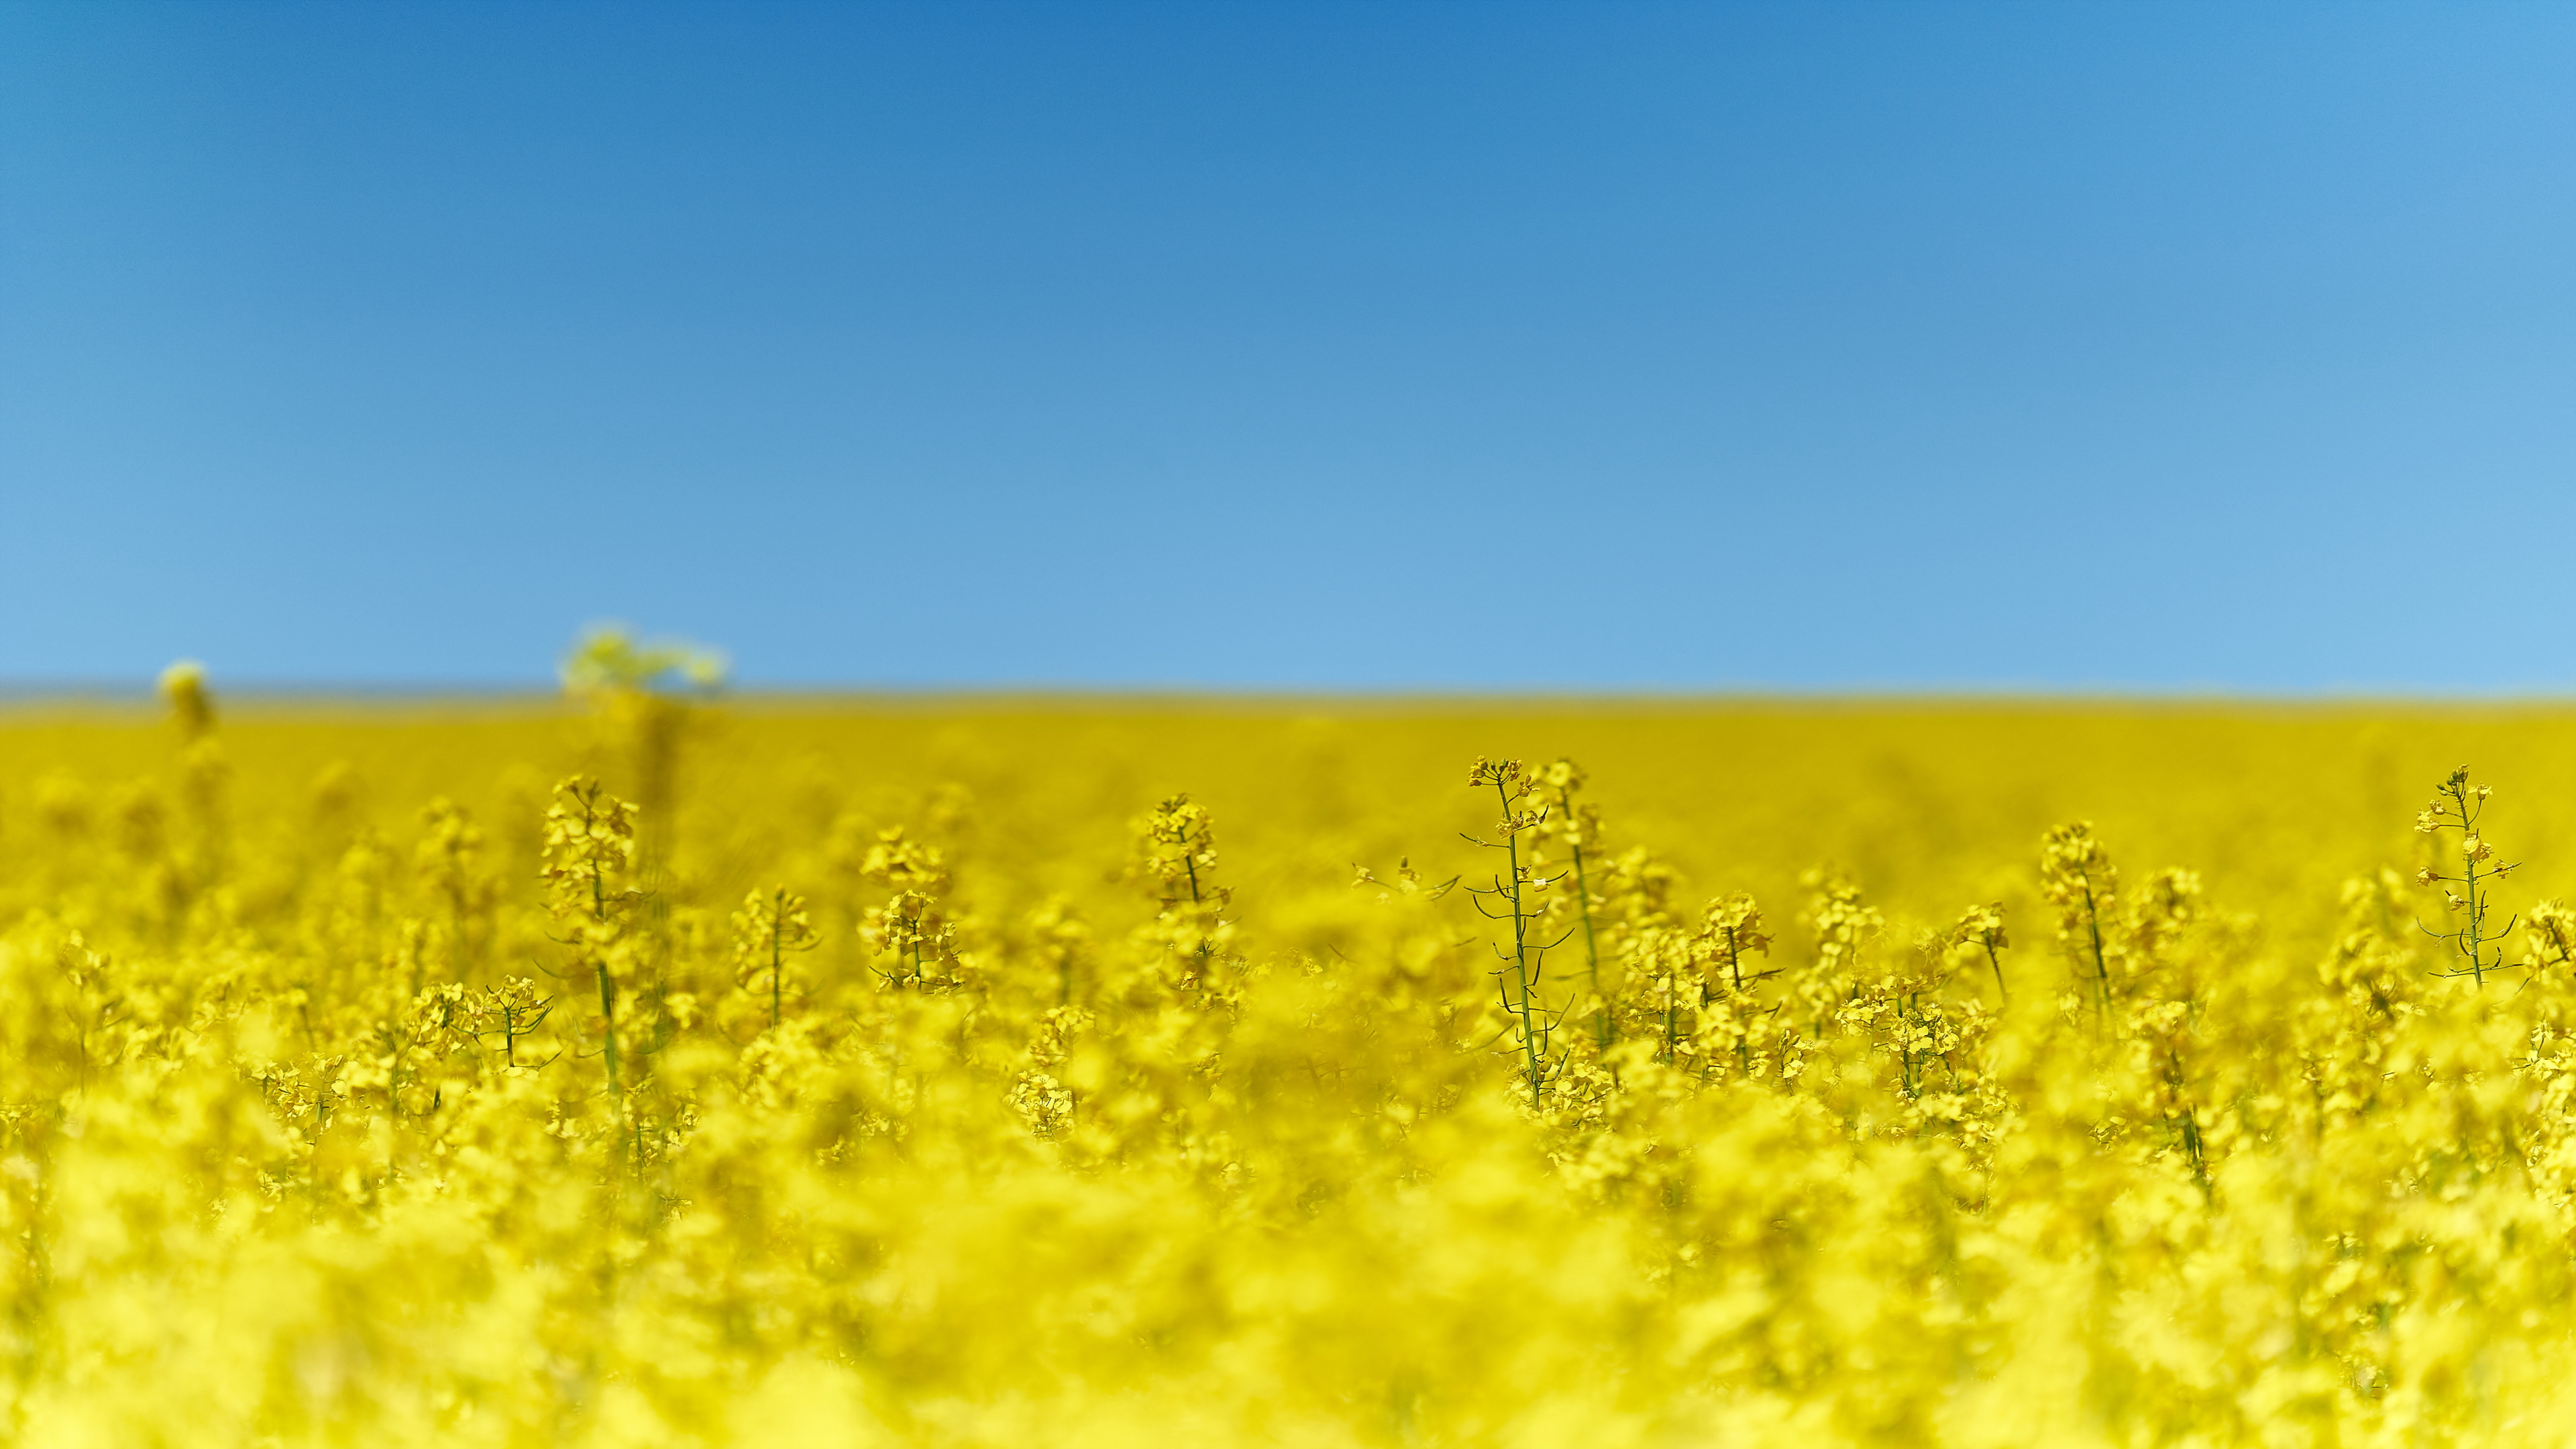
[(33, 703)]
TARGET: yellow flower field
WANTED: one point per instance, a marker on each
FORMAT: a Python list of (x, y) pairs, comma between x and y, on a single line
[(1023, 1073)]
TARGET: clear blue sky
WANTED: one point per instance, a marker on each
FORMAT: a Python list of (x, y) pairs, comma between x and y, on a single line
[(1378, 345)]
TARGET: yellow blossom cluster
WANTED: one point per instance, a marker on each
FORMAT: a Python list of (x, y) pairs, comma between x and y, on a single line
[(655, 1070)]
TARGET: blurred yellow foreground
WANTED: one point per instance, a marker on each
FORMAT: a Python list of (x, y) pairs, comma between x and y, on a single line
[(1133, 1073)]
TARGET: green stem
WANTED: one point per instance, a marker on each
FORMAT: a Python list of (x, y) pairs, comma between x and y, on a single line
[(1520, 1005), (607, 991), (1672, 1013), (1905, 1040), (776, 927), (2101, 968), (2469, 878)]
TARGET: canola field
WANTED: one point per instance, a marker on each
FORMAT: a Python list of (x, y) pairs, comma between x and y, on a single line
[(648, 1070)]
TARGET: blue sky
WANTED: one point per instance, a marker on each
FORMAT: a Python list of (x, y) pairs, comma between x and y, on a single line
[(1296, 345)]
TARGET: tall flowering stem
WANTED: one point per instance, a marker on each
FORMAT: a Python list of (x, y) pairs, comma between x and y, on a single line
[(1579, 824), (590, 858), (770, 924), (1983, 928), (2077, 876), (1508, 899), (2458, 805)]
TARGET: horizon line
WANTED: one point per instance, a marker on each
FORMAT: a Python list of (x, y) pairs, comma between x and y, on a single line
[(16, 698)]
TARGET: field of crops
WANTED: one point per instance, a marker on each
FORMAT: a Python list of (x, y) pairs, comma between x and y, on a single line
[(1018, 1073)]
